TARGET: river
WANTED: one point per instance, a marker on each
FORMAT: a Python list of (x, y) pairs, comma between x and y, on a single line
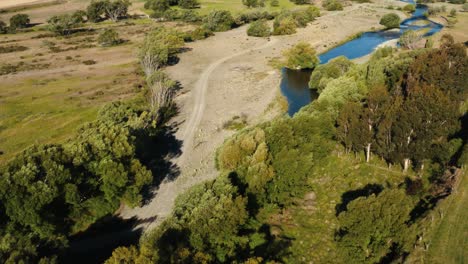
[(294, 84)]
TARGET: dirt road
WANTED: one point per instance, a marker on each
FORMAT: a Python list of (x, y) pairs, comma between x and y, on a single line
[(163, 200)]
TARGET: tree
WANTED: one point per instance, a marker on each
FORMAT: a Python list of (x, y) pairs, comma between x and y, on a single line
[(117, 9), (109, 37), (259, 28), (301, 56), (409, 8), (465, 7), (62, 24), (409, 39), (161, 92), (189, 4), (391, 20), (324, 73), (159, 45), (274, 3), (96, 9), (453, 12), (19, 21), (373, 227), (332, 5), (218, 20)]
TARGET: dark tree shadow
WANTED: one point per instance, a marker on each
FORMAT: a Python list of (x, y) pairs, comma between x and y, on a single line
[(97, 243), (349, 196)]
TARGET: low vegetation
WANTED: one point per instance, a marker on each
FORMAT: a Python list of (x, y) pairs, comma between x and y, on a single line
[(391, 20)]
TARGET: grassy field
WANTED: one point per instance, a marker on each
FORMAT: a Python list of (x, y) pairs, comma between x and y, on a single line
[(236, 6), (312, 226), (450, 239)]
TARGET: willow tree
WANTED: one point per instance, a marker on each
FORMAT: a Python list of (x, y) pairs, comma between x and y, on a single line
[(158, 47)]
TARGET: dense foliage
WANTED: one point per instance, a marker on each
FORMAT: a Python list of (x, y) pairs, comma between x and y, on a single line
[(62, 24), (109, 37), (289, 193), (50, 192), (332, 5), (259, 28), (324, 73), (19, 21), (391, 20), (301, 56), (218, 20)]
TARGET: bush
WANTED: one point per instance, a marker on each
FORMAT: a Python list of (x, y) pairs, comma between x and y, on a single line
[(301, 56), (189, 16), (300, 2), (197, 34), (332, 5), (3, 27), (465, 7), (109, 37), (459, 2), (324, 73), (248, 17), (253, 3), (188, 4), (19, 21), (409, 8), (14, 48), (274, 3), (158, 7), (284, 26), (259, 28), (79, 16), (391, 20), (89, 62), (453, 12), (62, 24), (95, 10), (218, 20)]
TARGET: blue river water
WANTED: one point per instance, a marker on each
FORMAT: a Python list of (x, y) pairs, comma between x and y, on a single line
[(294, 84)]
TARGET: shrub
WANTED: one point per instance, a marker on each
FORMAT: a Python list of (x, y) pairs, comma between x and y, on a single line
[(253, 3), (409, 8), (301, 56), (218, 20), (391, 20), (274, 3), (157, 6), (79, 16), (3, 27), (332, 5), (324, 73), (284, 26), (95, 10), (14, 48), (259, 28), (453, 12), (197, 34), (62, 24), (117, 9), (89, 62), (109, 37), (300, 2), (248, 17), (409, 39), (465, 7), (313, 12), (19, 21), (457, 1), (189, 16), (188, 4)]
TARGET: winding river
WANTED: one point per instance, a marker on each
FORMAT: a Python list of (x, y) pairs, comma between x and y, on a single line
[(294, 84)]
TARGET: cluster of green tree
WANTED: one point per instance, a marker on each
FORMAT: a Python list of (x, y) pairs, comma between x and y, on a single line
[(96, 11), (409, 100), (50, 192), (18, 21), (160, 7), (412, 118), (287, 21)]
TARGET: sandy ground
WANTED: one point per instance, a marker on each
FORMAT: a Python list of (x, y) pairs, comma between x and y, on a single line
[(228, 75), (11, 3)]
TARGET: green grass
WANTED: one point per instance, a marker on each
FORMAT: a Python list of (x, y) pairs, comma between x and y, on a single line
[(449, 243), (313, 230), (236, 6), (49, 110)]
